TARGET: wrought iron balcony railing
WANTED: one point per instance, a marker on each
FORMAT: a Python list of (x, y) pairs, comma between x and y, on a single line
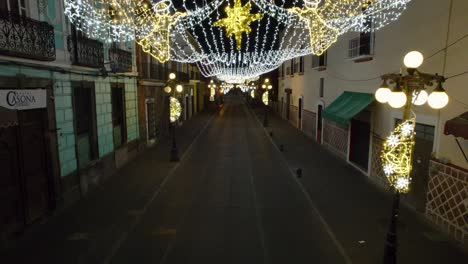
[(121, 60), (25, 37), (85, 52), (158, 72)]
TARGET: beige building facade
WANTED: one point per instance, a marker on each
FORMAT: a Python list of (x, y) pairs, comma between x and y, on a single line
[(352, 67)]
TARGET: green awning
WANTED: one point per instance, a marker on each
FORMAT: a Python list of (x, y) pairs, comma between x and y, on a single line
[(346, 106)]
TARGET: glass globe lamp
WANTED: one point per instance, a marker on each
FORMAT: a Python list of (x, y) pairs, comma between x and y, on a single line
[(167, 89), (420, 98), (397, 99), (382, 94), (172, 76), (413, 59), (438, 98), (179, 88)]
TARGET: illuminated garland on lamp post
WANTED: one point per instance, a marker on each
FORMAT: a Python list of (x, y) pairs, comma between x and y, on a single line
[(212, 87), (266, 86), (397, 151), (175, 109)]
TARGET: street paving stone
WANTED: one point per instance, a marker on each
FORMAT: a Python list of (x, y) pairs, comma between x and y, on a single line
[(233, 198)]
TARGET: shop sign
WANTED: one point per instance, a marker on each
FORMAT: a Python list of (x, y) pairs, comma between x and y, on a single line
[(23, 99)]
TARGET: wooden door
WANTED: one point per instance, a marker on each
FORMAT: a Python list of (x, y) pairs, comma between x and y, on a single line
[(33, 162), (359, 146), (11, 204), (299, 115), (319, 124)]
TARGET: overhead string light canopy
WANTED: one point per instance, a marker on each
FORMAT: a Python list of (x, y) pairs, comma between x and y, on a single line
[(236, 42), (241, 40), (233, 40), (99, 19)]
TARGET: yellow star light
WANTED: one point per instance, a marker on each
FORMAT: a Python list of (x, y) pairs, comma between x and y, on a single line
[(237, 21)]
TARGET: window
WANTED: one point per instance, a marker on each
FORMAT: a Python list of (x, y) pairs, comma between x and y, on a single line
[(319, 62), (288, 70), (17, 7), (282, 71), (321, 88), (301, 64), (363, 45), (118, 114), (423, 131), (85, 122), (296, 65)]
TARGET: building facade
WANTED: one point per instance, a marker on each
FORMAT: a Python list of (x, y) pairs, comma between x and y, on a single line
[(348, 74), (68, 114), (153, 104)]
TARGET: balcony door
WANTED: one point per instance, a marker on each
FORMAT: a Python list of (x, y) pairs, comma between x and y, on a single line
[(85, 122), (118, 114), (17, 7)]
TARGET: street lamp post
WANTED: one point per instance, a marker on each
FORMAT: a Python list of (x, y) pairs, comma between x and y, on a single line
[(266, 86), (174, 113), (408, 90)]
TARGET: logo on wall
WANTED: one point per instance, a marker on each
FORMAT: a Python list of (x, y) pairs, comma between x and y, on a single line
[(23, 99)]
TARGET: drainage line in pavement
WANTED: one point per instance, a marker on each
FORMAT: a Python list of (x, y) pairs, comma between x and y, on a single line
[(329, 231)]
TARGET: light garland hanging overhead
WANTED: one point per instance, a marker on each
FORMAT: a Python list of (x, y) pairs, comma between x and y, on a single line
[(250, 38), (98, 20), (397, 154), (282, 33), (257, 45)]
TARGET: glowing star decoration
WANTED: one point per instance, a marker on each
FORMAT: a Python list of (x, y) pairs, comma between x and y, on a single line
[(397, 154), (265, 98), (393, 140), (407, 129), (237, 21), (175, 109)]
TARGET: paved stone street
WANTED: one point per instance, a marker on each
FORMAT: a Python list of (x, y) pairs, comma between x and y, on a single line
[(233, 198)]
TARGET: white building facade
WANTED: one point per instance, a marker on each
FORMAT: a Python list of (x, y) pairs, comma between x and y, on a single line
[(349, 74)]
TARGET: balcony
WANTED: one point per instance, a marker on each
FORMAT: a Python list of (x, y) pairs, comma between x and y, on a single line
[(121, 60), (27, 38), (153, 71), (85, 52)]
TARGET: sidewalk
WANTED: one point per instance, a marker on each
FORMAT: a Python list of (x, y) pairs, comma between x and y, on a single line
[(86, 231), (357, 210)]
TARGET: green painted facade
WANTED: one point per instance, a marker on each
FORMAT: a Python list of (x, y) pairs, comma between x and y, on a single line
[(65, 116), (69, 145)]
